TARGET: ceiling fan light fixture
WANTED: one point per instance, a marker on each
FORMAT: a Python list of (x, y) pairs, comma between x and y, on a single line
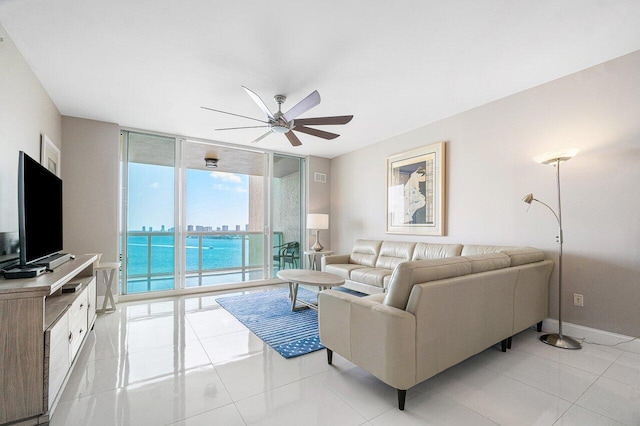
[(211, 163), (279, 128)]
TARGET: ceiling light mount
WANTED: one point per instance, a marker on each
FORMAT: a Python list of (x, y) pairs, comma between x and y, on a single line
[(211, 163)]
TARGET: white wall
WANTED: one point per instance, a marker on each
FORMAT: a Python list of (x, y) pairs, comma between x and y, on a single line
[(26, 112), (490, 169)]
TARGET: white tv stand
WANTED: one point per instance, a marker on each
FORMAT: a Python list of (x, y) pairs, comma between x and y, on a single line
[(43, 330)]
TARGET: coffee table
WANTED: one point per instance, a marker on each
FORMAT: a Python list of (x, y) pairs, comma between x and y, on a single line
[(319, 279)]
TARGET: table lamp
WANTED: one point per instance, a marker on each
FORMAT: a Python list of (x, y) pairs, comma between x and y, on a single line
[(317, 222)]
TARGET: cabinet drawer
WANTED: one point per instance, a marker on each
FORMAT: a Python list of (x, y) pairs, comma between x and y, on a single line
[(57, 361), (78, 323), (78, 309)]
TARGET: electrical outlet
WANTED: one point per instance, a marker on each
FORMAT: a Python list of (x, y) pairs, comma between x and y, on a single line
[(578, 299)]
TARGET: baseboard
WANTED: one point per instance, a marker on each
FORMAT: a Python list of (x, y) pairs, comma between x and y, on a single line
[(593, 335)]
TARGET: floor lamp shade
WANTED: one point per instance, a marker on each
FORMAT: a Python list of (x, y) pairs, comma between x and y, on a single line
[(316, 222), (555, 159)]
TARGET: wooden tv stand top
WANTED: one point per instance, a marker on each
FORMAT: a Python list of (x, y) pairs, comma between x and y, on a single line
[(49, 282)]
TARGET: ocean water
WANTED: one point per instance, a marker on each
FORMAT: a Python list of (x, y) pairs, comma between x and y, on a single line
[(217, 253)]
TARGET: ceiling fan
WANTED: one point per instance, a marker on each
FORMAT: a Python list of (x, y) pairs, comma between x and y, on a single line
[(286, 123)]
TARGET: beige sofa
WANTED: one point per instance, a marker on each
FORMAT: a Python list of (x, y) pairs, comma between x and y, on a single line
[(437, 313), (369, 266)]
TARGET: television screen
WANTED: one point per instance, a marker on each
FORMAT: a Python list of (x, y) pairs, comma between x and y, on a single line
[(39, 210)]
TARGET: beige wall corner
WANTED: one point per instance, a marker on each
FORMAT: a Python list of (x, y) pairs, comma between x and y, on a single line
[(90, 172)]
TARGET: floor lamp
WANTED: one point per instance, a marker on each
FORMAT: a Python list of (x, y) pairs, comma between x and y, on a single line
[(554, 159)]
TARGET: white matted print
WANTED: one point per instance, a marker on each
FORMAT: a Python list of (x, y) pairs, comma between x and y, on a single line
[(50, 155), (416, 191)]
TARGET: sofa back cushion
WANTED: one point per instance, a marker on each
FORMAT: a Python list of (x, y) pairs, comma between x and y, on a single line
[(524, 255), (472, 249), (518, 255), (365, 252), (407, 274), (394, 252), (488, 262), (435, 251)]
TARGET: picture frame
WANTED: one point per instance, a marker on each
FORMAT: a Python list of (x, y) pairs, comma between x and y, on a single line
[(50, 155), (416, 191)]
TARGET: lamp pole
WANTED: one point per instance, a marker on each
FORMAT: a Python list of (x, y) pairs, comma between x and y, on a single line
[(558, 340)]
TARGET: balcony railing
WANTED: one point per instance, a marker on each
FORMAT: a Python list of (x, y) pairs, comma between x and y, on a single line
[(211, 258)]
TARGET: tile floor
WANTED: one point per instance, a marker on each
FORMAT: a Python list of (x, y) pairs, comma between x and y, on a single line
[(186, 361)]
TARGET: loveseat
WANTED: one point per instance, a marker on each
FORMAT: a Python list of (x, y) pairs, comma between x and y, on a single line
[(436, 312)]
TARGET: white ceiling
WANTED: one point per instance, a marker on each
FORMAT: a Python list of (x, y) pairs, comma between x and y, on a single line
[(151, 64)]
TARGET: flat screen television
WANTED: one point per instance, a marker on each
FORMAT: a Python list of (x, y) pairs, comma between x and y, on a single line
[(39, 211)]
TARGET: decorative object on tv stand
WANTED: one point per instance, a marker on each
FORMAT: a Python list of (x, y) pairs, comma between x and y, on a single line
[(317, 222), (554, 159)]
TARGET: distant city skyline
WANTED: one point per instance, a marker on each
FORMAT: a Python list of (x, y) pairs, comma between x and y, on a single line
[(196, 228), (213, 199)]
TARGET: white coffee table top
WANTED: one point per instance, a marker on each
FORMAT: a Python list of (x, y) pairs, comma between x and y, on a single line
[(309, 277)]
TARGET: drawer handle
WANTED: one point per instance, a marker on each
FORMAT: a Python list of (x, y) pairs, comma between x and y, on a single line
[(80, 331), (70, 337), (81, 305)]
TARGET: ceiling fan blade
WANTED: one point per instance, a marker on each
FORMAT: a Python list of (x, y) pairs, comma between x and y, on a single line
[(262, 137), (303, 106), (293, 138), (315, 132), (317, 121), (237, 115), (246, 127), (260, 103)]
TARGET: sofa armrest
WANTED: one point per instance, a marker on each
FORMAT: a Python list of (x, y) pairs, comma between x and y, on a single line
[(378, 338), (334, 259)]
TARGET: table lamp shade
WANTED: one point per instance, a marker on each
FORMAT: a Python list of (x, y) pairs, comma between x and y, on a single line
[(317, 221)]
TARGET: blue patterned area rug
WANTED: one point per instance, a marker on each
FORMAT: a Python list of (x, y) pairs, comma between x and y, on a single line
[(268, 315)]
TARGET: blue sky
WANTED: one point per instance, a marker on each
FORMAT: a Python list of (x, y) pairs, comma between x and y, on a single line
[(212, 198)]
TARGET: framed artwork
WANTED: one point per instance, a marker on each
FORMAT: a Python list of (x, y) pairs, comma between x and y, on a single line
[(50, 155), (416, 191)]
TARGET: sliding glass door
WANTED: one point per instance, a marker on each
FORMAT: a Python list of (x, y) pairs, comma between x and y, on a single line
[(196, 214), (287, 195), (224, 226), (149, 195)]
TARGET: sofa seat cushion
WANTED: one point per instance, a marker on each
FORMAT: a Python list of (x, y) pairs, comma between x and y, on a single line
[(407, 274), (424, 251), (342, 269), (370, 276), (394, 252)]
